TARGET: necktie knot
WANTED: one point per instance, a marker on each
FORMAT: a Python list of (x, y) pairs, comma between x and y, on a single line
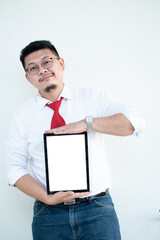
[(57, 119), (55, 105)]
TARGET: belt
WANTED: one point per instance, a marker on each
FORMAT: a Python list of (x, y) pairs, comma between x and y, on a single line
[(86, 199)]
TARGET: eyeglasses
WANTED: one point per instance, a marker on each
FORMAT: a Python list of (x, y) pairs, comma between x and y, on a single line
[(46, 63)]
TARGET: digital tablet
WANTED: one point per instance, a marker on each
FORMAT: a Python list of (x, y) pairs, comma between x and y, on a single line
[(66, 162)]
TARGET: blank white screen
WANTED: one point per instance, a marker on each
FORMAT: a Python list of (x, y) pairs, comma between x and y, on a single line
[(66, 162)]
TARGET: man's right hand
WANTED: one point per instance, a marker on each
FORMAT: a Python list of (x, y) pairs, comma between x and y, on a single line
[(60, 197), (31, 187)]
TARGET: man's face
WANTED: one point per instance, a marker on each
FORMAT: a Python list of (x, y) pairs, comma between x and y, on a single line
[(46, 79)]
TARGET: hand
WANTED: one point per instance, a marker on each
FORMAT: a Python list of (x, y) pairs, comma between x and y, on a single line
[(61, 197), (76, 127)]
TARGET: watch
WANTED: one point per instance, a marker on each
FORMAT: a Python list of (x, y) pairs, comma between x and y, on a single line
[(89, 121)]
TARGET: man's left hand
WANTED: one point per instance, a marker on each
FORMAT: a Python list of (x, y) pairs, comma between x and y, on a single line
[(76, 127)]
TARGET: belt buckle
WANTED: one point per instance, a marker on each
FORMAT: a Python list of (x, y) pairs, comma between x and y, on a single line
[(73, 201)]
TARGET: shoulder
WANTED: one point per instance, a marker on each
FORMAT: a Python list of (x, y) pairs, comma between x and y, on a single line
[(26, 109), (91, 93), (87, 91)]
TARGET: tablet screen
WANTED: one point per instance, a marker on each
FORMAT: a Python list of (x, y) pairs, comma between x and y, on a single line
[(66, 160)]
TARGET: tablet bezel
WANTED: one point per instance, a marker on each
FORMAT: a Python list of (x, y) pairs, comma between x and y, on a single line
[(49, 191)]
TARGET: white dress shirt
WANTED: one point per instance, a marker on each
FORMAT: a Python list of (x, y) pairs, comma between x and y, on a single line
[(30, 120)]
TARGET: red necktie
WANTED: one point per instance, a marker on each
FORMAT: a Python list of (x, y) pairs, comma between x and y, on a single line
[(57, 120)]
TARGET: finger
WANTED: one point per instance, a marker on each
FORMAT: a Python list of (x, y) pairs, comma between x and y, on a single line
[(59, 197), (54, 130), (76, 195), (64, 194), (68, 194), (49, 131), (62, 130)]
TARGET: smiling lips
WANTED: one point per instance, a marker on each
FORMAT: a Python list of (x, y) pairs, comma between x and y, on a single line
[(46, 77)]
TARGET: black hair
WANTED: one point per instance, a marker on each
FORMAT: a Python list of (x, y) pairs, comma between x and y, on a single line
[(35, 46)]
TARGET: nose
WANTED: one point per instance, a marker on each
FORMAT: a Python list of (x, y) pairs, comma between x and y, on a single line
[(42, 70)]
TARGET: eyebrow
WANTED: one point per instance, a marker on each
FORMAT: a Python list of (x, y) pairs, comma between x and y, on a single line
[(35, 63)]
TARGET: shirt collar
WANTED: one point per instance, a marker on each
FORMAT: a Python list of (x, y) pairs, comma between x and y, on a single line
[(66, 94)]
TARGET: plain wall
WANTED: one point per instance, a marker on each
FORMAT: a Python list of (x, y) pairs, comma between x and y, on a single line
[(112, 45)]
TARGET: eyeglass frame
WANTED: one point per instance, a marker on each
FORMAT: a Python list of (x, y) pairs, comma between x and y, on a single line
[(26, 70)]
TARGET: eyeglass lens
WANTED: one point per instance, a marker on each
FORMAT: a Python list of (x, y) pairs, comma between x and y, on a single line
[(47, 63)]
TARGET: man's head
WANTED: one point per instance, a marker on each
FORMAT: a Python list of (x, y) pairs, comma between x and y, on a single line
[(35, 46), (43, 66)]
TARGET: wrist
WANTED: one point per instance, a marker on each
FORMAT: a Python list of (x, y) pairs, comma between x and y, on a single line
[(89, 122)]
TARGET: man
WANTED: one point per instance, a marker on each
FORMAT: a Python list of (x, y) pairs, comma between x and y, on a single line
[(92, 214)]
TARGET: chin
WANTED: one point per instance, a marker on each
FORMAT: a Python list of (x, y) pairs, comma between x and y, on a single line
[(50, 88)]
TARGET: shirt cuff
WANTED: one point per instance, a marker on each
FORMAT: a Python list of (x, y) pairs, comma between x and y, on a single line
[(15, 174), (136, 121)]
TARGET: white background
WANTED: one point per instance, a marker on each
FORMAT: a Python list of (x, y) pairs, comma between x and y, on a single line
[(107, 44)]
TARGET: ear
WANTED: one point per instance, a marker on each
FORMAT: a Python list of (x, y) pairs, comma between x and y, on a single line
[(61, 61), (26, 76)]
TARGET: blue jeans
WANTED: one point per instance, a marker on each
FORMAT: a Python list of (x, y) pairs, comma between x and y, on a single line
[(95, 220)]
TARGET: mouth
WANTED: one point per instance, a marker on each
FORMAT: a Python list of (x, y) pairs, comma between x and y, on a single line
[(46, 77)]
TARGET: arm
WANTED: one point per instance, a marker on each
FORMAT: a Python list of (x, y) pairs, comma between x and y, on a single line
[(110, 117), (16, 151), (31, 187), (117, 124)]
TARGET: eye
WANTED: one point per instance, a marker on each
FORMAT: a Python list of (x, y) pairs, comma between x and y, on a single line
[(33, 69), (46, 62)]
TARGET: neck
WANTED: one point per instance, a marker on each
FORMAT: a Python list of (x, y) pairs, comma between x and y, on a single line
[(53, 94)]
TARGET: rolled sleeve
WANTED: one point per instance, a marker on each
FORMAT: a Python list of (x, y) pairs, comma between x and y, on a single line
[(130, 113), (109, 106), (136, 120), (15, 152)]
